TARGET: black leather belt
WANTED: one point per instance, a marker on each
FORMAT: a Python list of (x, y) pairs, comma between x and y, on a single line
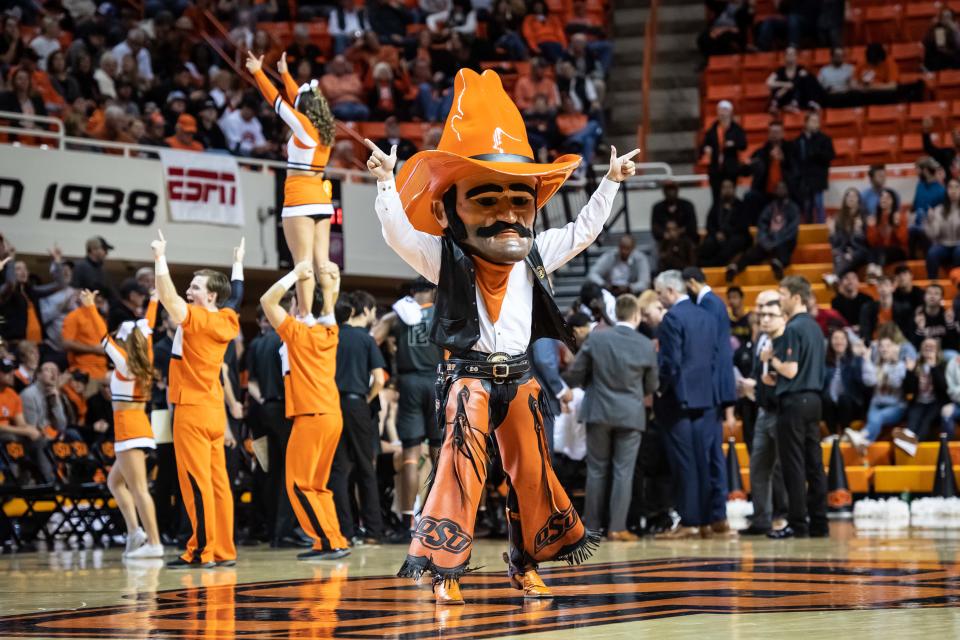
[(498, 367)]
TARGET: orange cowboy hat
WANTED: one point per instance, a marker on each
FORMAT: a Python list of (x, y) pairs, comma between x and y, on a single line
[(484, 132)]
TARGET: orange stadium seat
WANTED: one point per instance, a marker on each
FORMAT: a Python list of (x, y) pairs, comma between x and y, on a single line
[(917, 18), (885, 119), (877, 149), (724, 70), (911, 147), (757, 67), (756, 98), (908, 55), (918, 111), (882, 23), (843, 123), (948, 84), (847, 150)]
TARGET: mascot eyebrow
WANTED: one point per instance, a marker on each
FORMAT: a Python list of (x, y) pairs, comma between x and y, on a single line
[(488, 188)]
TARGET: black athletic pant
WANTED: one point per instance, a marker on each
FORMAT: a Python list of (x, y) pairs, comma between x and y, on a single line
[(355, 453), (801, 458), (274, 422)]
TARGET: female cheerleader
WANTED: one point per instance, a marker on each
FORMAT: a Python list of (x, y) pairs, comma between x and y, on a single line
[(132, 355), (307, 198)]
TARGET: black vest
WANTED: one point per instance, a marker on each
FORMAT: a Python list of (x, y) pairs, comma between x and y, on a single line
[(456, 323)]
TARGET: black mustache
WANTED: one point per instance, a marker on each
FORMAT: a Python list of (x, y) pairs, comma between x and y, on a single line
[(497, 227)]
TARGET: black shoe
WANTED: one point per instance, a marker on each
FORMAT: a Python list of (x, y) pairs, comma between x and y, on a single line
[(180, 563), (168, 540), (290, 542), (820, 533), (399, 536), (317, 554), (786, 532), (754, 530), (777, 267), (730, 274), (226, 563)]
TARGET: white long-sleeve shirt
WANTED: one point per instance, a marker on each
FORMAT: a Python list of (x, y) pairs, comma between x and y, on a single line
[(511, 332)]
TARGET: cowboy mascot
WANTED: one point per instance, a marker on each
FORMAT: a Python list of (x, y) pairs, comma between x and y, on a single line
[(463, 217)]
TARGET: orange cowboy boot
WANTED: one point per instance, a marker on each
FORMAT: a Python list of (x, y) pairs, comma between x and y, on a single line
[(531, 584), (447, 591)]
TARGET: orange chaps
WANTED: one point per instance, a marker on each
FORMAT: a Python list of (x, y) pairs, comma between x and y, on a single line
[(202, 470), (313, 442), (543, 524)]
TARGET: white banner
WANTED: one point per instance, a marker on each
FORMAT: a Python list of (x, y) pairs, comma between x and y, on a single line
[(202, 187), (64, 197)]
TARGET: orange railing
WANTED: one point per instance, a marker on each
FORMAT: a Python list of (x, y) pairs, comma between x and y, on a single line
[(649, 52)]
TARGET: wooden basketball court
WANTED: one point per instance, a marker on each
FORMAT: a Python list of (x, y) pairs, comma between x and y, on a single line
[(842, 587)]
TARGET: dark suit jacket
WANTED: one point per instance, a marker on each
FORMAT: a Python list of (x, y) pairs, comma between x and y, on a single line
[(724, 385), (686, 359), (811, 159), (616, 367), (546, 369)]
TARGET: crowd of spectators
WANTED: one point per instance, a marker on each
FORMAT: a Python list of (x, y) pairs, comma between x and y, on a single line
[(113, 74)]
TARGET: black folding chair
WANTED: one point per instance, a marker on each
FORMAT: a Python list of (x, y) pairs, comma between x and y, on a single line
[(23, 528), (83, 499)]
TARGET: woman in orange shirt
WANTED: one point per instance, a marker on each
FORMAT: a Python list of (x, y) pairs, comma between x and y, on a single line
[(132, 354), (307, 198), (544, 33)]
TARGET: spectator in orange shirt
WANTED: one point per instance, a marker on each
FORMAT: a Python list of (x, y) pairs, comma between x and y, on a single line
[(544, 33), (183, 138), (13, 426), (344, 90), (887, 232), (878, 72), (81, 341), (581, 134), (110, 125), (528, 87)]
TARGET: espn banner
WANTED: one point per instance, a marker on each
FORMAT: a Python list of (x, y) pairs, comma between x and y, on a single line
[(202, 187)]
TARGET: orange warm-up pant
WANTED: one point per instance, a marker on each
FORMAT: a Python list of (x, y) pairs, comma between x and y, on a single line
[(202, 470), (313, 442)]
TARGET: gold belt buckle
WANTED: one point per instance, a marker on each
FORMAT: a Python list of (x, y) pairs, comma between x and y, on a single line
[(500, 369)]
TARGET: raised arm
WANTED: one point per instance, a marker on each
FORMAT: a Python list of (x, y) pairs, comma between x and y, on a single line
[(236, 277), (90, 315), (166, 291), (270, 301), (384, 325), (298, 123), (419, 250), (559, 246), (290, 88)]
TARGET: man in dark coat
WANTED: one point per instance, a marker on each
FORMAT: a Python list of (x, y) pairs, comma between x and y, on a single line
[(812, 154)]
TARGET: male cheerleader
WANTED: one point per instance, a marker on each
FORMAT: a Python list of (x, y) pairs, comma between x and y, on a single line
[(309, 356), (199, 420)]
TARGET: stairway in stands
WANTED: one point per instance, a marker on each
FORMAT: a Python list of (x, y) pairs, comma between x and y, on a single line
[(624, 85)]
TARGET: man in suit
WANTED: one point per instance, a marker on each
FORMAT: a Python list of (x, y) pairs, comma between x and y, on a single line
[(617, 369), (686, 362), (724, 395), (555, 395)]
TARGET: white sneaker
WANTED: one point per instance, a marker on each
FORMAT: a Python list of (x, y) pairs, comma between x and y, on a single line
[(147, 551), (135, 540)]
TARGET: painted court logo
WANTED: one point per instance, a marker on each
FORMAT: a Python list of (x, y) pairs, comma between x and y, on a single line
[(333, 605)]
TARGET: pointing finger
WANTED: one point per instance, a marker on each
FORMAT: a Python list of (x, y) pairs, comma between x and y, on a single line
[(162, 239), (628, 156), (377, 152), (393, 152), (243, 243), (613, 153)]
